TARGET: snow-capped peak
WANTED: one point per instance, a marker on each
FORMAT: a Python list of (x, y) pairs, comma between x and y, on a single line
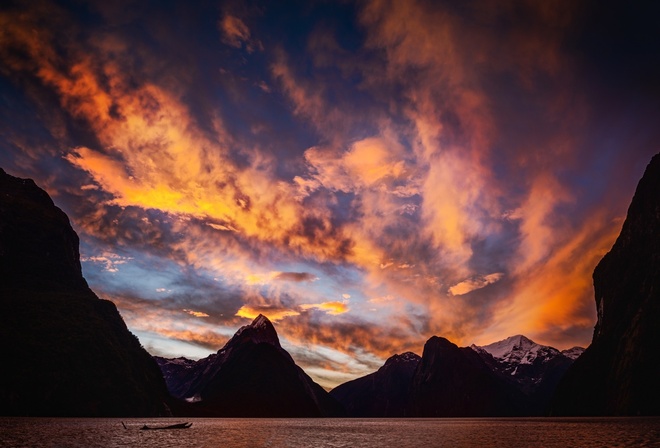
[(519, 349)]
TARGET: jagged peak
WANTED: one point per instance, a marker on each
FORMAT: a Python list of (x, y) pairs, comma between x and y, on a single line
[(260, 321), (258, 331)]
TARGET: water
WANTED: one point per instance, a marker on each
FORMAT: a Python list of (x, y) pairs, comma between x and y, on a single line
[(381, 433)]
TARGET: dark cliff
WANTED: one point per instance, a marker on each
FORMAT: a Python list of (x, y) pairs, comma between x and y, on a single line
[(68, 353), (618, 373)]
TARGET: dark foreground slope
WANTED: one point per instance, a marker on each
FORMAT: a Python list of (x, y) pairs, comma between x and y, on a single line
[(65, 351), (619, 373), (251, 376)]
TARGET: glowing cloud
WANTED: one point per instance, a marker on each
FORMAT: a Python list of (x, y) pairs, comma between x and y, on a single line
[(333, 308), (274, 314), (474, 283), (195, 313)]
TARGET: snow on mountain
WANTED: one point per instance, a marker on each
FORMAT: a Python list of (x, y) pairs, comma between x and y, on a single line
[(518, 349), (573, 353), (535, 368)]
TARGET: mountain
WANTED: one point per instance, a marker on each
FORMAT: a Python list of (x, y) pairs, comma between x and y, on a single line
[(67, 353), (384, 393), (618, 373), (251, 376), (573, 353), (536, 369), (456, 382)]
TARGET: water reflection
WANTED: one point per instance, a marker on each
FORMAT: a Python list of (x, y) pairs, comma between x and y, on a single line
[(398, 433)]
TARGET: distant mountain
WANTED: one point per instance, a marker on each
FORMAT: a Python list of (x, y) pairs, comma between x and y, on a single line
[(618, 374), (251, 376), (536, 369), (384, 393), (66, 352)]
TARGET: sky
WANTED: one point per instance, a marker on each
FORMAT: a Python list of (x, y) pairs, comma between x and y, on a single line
[(366, 174)]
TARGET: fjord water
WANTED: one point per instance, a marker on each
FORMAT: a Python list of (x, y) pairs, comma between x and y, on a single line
[(399, 433)]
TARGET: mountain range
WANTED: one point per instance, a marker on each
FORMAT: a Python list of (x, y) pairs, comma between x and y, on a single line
[(72, 354), (515, 376)]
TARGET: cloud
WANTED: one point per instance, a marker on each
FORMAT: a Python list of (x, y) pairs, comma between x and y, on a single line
[(272, 313), (296, 277), (474, 283), (154, 155), (196, 313), (553, 300), (110, 260), (369, 163), (333, 308), (236, 33)]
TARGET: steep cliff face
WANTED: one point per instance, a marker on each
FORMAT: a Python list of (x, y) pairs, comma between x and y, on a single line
[(38, 247), (251, 376), (619, 372), (384, 393), (67, 352)]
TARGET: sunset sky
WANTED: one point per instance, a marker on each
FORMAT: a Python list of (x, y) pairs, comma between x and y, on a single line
[(366, 174)]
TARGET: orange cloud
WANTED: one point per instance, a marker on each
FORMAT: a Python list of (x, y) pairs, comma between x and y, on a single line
[(196, 313), (155, 156), (333, 308), (474, 283), (557, 294), (274, 314), (235, 32)]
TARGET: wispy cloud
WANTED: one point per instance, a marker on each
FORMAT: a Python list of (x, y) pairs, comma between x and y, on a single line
[(236, 33), (333, 308), (110, 260), (474, 283)]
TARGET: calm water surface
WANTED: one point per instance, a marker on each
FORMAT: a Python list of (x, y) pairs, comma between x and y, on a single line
[(399, 433)]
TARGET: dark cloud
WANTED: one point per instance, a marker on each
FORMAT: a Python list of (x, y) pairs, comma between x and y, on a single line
[(296, 277)]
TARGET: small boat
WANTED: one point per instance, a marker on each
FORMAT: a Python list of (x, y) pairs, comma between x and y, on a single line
[(185, 425)]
